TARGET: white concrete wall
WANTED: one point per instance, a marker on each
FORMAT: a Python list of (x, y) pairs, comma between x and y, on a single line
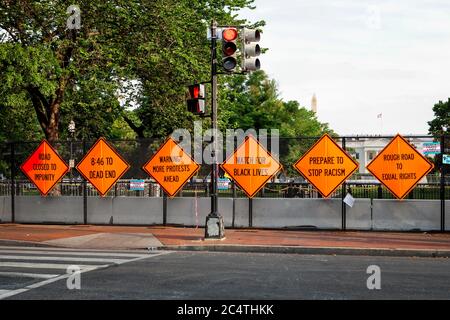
[(190, 211), (5, 209), (406, 214)]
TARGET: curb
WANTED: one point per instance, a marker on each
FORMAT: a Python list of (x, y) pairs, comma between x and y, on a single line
[(425, 253), (24, 243)]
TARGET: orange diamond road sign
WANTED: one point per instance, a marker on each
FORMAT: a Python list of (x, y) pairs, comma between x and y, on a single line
[(326, 165), (44, 167), (399, 167), (251, 166), (171, 167), (102, 166)]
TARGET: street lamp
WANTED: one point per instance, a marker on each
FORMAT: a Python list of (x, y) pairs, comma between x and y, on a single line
[(71, 129)]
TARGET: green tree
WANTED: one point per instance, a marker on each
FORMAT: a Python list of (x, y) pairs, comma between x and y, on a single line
[(61, 74), (441, 122)]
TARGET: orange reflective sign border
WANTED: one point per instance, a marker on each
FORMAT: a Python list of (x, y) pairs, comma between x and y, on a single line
[(102, 166), (44, 167), (171, 167), (326, 165), (251, 166), (399, 167)]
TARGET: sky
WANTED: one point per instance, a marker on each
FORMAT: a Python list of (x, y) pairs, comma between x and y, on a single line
[(361, 58)]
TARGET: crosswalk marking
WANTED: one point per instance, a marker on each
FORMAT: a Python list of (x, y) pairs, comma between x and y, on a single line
[(70, 253), (28, 275), (45, 258), (28, 262)]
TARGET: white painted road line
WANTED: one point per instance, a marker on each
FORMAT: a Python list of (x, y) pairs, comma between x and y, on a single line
[(72, 252), (28, 275), (43, 265), (53, 249), (48, 258)]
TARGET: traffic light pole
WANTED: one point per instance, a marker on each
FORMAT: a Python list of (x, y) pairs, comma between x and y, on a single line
[(214, 227)]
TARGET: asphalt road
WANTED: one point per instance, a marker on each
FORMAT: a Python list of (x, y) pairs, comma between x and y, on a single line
[(202, 275)]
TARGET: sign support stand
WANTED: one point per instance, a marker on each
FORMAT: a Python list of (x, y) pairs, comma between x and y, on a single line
[(214, 226)]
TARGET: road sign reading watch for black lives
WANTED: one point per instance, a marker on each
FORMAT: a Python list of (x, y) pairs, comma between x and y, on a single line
[(44, 167), (102, 166), (171, 167), (251, 166)]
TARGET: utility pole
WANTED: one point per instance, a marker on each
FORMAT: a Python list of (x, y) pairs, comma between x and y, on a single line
[(214, 227)]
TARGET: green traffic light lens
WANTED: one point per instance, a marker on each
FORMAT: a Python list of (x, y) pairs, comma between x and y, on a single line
[(229, 63)]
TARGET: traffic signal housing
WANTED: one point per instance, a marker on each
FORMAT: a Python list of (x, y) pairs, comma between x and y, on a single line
[(251, 50), (229, 48), (196, 100)]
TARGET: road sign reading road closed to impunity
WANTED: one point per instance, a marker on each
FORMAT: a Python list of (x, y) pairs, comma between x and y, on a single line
[(171, 167), (399, 167), (326, 165), (44, 167), (251, 166), (102, 166)]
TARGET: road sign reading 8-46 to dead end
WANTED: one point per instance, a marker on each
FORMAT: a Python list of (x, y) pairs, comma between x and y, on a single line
[(102, 166)]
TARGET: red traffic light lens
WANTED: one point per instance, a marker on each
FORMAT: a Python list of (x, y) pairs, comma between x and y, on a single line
[(229, 34), (229, 48)]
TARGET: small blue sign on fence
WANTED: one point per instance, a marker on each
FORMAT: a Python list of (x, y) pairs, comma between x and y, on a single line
[(137, 185), (223, 184), (446, 158), (430, 148)]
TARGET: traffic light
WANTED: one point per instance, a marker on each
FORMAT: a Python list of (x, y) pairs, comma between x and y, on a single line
[(196, 101), (229, 48), (251, 50)]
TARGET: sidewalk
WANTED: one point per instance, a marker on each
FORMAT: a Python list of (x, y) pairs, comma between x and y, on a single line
[(237, 240)]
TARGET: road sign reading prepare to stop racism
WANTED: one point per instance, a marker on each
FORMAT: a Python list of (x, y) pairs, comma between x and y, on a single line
[(102, 166), (44, 167), (171, 167), (326, 165), (399, 167), (251, 166)]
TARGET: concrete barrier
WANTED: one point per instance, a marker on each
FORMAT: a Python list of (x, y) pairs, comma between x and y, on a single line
[(359, 217), (284, 212), (406, 215), (5, 209), (125, 210), (385, 214), (191, 212), (37, 209)]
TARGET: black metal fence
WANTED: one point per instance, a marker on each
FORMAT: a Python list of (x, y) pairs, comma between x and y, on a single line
[(287, 184)]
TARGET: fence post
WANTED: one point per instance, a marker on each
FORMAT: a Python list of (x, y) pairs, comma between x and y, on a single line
[(164, 209), (250, 212), (442, 184), (84, 190), (344, 190), (13, 183)]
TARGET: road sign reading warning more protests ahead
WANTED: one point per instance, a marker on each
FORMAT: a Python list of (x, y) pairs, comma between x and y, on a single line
[(326, 165), (171, 167), (44, 167), (399, 166), (102, 166), (251, 166)]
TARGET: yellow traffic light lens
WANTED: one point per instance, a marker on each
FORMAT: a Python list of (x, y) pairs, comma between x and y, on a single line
[(229, 48)]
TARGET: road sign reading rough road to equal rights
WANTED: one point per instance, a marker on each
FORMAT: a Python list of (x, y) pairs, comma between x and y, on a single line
[(251, 166), (171, 167), (326, 165), (399, 166), (44, 167), (102, 166)]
